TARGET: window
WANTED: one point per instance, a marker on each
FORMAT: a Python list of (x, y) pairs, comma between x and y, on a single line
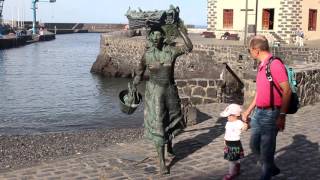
[(228, 18), (312, 26), (267, 19)]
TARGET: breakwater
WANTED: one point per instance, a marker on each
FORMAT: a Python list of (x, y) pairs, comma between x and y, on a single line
[(67, 28)]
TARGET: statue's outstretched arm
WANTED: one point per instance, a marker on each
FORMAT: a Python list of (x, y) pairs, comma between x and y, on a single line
[(188, 46), (140, 71), (184, 35)]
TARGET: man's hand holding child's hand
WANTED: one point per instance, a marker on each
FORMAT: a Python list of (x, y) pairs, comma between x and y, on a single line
[(245, 127)]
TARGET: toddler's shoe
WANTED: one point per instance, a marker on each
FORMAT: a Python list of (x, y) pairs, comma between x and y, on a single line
[(275, 171), (237, 169), (228, 177)]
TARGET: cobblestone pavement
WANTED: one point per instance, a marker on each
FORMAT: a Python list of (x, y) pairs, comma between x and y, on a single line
[(199, 154)]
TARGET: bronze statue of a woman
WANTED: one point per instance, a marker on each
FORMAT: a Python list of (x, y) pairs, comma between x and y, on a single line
[(163, 118)]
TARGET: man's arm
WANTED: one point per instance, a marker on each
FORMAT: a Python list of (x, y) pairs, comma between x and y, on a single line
[(247, 112), (286, 95), (280, 77)]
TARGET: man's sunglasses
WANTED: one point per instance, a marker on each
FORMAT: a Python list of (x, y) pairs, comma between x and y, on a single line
[(249, 51)]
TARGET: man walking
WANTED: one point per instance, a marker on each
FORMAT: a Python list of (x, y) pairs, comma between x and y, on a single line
[(299, 37), (269, 106)]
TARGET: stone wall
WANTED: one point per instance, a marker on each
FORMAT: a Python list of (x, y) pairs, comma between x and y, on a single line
[(297, 56), (200, 91), (199, 73), (120, 55), (204, 91), (309, 86), (308, 80)]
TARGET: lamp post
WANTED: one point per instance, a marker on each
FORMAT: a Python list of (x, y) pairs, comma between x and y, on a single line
[(256, 20), (246, 22), (34, 8)]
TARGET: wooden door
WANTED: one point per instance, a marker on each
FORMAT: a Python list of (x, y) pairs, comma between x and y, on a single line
[(312, 20)]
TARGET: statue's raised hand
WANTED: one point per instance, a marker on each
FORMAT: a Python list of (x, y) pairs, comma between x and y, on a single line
[(181, 26)]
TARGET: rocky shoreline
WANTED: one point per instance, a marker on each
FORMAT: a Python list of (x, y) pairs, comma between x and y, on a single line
[(19, 151)]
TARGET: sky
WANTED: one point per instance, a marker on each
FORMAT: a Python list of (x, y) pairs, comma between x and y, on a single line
[(101, 11)]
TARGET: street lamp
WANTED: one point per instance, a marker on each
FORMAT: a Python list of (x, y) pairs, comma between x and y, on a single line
[(256, 20), (246, 23), (34, 8)]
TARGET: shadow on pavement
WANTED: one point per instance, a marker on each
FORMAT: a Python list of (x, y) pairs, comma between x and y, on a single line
[(299, 160), (189, 146), (201, 117)]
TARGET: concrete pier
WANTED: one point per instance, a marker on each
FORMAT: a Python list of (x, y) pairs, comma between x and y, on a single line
[(12, 41), (68, 28), (47, 37)]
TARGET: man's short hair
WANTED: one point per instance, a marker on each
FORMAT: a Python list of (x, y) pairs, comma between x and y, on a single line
[(260, 42)]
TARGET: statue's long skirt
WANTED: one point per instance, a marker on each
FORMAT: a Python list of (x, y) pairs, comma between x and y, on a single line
[(163, 118)]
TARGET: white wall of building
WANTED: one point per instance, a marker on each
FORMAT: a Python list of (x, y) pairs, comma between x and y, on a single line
[(282, 12), (310, 4), (239, 16)]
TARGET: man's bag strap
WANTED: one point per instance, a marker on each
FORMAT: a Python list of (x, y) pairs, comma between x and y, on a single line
[(270, 79)]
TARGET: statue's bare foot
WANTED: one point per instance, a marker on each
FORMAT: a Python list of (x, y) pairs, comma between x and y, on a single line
[(170, 149), (171, 153), (164, 170)]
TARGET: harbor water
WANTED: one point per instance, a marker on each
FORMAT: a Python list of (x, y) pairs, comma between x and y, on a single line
[(47, 87)]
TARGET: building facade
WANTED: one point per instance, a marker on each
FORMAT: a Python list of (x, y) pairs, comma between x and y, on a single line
[(277, 19)]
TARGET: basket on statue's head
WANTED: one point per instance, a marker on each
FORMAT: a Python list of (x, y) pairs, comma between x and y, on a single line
[(172, 15), (166, 20), (152, 19)]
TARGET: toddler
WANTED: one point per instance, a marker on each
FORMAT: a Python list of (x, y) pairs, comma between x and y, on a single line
[(233, 150)]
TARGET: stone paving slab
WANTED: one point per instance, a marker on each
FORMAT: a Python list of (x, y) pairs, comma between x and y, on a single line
[(199, 154)]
